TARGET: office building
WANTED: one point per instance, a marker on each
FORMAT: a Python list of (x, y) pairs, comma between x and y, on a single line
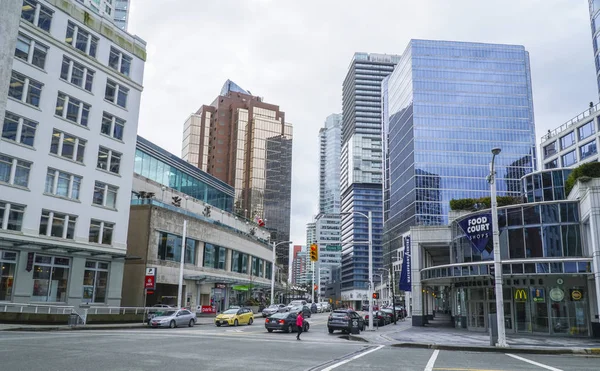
[(361, 170), (574, 142), (549, 250), (67, 148), (594, 6), (246, 143), (226, 260), (328, 238), (301, 268), (330, 146), (311, 233), (447, 105)]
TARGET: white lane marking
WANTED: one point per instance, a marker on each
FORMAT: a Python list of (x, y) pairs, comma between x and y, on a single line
[(534, 363), (352, 358), (432, 359)]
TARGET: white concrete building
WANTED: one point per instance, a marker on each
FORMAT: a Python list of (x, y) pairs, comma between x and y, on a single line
[(66, 155), (117, 10), (573, 143)]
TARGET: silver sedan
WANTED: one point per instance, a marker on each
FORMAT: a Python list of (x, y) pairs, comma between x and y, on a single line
[(174, 318), (274, 308)]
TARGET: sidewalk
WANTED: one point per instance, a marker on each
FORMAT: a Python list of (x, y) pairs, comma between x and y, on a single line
[(204, 320), (440, 334)]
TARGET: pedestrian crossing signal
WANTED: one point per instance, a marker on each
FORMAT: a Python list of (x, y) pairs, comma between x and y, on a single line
[(314, 252), (375, 295)]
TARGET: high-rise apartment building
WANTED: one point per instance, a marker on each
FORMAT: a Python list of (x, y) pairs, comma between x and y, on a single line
[(595, 23), (447, 105), (117, 10), (246, 143), (330, 146), (67, 147), (361, 169), (301, 267), (311, 233)]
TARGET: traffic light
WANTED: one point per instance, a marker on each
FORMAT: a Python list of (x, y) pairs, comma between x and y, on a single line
[(375, 295), (314, 252)]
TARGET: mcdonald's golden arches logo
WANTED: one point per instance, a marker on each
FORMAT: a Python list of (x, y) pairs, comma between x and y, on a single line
[(520, 295)]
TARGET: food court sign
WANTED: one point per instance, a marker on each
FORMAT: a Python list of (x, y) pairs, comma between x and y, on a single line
[(478, 229)]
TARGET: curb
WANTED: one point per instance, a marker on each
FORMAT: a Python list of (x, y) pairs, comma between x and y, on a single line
[(80, 328), (490, 349)]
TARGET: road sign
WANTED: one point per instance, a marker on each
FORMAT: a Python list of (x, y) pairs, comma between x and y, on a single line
[(150, 280)]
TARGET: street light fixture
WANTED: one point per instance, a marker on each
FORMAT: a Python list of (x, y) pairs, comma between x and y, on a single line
[(273, 268), (497, 260)]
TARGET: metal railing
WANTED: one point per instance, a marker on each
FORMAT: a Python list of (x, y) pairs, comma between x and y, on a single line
[(36, 308), (587, 113)]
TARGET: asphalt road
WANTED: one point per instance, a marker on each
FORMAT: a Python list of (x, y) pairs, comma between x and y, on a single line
[(248, 348)]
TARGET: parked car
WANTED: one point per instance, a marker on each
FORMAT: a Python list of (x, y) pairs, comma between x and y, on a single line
[(379, 317), (306, 313), (343, 319), (295, 303), (234, 317), (174, 318), (156, 310), (390, 313), (314, 308), (285, 322), (320, 307), (365, 307), (274, 308)]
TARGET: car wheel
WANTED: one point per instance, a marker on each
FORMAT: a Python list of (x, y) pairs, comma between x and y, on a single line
[(218, 325), (330, 330), (191, 324), (235, 323), (250, 321), (270, 330), (289, 329), (306, 327), (172, 324)]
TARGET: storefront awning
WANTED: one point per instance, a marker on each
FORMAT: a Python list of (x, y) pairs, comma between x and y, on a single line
[(42, 244), (232, 281)]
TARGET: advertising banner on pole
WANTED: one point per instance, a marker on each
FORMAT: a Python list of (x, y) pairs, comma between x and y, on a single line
[(405, 277), (150, 281), (478, 229)]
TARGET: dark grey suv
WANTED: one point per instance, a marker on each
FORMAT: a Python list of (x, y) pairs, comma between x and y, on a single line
[(344, 320)]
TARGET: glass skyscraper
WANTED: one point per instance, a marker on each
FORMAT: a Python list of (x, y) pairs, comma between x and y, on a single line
[(361, 170), (330, 144), (447, 104)]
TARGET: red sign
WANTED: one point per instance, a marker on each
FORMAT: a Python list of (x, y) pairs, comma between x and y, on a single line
[(207, 309), (150, 292), (149, 283)]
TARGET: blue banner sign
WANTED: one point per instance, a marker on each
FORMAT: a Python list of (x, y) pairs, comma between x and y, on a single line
[(478, 229), (405, 277)]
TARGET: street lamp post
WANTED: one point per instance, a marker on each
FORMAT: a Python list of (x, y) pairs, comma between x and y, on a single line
[(181, 261), (273, 268), (497, 260)]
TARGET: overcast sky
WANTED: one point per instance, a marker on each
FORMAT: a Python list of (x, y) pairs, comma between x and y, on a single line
[(296, 53)]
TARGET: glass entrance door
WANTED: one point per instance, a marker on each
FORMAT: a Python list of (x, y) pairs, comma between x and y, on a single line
[(540, 317), (477, 315), (522, 309)]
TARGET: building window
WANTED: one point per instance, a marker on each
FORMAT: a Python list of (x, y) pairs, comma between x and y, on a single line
[(105, 195), (586, 130), (25, 89), (14, 171), (256, 266), (109, 160), (116, 93), (119, 61), (569, 159), (67, 146), (77, 74), (95, 282), (214, 256), (19, 129), (239, 262), (53, 224), (8, 264), (11, 216), (268, 270), (72, 109), (112, 126), (31, 51), (588, 149), (37, 14), (552, 164), (550, 149), (81, 39), (169, 248), (60, 183), (101, 232), (50, 279), (568, 140)]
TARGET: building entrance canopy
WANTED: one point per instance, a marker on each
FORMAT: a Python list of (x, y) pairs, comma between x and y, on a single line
[(237, 283)]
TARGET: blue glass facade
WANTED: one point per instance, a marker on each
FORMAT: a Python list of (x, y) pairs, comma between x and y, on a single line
[(169, 170), (449, 104)]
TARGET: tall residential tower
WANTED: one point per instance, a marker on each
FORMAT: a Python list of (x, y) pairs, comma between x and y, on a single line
[(361, 169)]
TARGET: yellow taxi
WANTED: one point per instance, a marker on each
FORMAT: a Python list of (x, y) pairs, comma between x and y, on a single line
[(234, 317)]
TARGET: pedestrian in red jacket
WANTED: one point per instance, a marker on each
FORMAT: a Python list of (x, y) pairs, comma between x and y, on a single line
[(299, 324)]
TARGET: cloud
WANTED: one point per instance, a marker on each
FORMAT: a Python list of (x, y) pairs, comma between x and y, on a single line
[(296, 54)]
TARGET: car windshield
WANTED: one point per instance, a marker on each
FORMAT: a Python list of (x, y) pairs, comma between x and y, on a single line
[(339, 314), (231, 311), (169, 313), (279, 315), (296, 303)]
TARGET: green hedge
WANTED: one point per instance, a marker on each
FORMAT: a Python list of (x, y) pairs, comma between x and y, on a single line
[(591, 169), (486, 203)]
